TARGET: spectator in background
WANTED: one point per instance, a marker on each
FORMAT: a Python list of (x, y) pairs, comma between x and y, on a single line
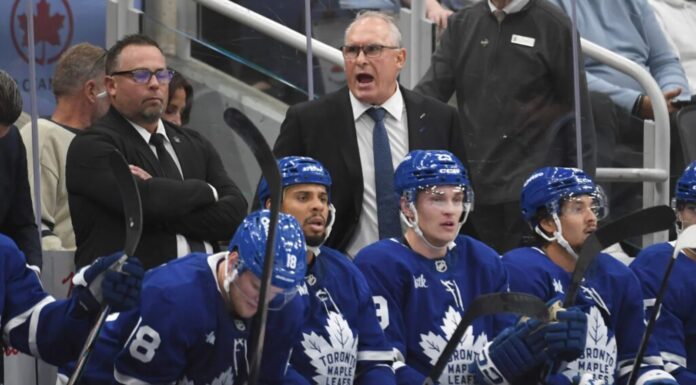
[(510, 64), (628, 28), (78, 85), (16, 212), (180, 101), (189, 202), (678, 21)]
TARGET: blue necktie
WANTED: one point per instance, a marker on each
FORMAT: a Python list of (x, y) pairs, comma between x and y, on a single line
[(387, 205)]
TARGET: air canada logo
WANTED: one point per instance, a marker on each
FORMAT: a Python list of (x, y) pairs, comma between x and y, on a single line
[(53, 29)]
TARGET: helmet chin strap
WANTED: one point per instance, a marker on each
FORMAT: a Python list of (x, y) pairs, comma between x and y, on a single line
[(413, 224), (557, 236), (332, 219)]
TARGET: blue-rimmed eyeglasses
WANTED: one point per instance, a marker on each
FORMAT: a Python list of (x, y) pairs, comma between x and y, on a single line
[(143, 75), (370, 50)]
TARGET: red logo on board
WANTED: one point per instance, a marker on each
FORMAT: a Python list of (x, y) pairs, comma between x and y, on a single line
[(53, 29)]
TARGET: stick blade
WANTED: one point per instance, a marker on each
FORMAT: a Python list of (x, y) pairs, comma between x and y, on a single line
[(132, 206), (637, 223), (686, 240)]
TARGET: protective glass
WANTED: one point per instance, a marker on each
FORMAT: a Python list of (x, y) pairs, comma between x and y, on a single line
[(143, 75), (436, 197), (276, 297), (599, 205)]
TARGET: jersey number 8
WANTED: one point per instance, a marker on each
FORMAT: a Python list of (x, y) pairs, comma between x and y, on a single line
[(146, 341)]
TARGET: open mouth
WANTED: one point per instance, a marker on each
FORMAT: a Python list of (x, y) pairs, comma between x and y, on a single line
[(365, 78), (316, 223)]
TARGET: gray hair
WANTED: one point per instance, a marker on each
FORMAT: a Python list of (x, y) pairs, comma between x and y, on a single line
[(10, 100), (393, 29), (80, 63)]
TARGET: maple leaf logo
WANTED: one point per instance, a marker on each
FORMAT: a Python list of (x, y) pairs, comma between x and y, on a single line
[(334, 360), (433, 344), (601, 344), (46, 26)]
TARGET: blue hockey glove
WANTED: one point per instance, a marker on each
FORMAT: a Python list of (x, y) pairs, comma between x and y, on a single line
[(656, 377), (512, 353), (103, 283), (565, 338)]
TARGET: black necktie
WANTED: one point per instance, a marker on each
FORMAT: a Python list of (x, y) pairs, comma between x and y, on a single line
[(172, 172), (166, 161)]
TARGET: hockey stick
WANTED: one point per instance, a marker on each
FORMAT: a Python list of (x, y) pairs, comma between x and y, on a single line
[(687, 239), (133, 213), (269, 168), (487, 304), (634, 224)]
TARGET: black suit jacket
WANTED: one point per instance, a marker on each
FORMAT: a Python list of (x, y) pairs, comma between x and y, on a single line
[(324, 129), (170, 206)]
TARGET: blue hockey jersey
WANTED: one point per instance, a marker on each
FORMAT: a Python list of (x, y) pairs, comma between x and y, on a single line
[(675, 328), (342, 342), (420, 301), (184, 333), (32, 321), (609, 295)]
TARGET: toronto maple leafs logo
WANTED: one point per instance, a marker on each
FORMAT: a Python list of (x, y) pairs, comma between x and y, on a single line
[(599, 357), (557, 286), (459, 369), (53, 29), (225, 378), (333, 360)]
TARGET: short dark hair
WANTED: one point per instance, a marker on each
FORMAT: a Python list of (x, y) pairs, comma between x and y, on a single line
[(77, 65), (10, 100), (115, 51), (179, 81)]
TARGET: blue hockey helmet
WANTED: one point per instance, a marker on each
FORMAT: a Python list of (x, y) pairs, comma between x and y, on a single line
[(290, 262), (685, 191), (297, 170), (422, 169), (547, 187)]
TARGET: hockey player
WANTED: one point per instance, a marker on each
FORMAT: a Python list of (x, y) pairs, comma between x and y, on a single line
[(563, 205), (341, 341), (675, 328), (193, 323), (54, 331), (423, 281)]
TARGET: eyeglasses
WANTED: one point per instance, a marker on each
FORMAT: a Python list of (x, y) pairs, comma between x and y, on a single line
[(143, 76), (370, 50)]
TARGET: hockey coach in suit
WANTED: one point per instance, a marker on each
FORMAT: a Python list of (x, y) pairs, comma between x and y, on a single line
[(340, 129)]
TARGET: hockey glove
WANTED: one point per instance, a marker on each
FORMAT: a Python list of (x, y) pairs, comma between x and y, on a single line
[(656, 377), (565, 339), (512, 353), (106, 283)]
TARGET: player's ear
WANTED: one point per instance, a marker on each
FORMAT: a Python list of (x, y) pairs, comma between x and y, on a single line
[(233, 258), (268, 204), (406, 208), (547, 225)]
